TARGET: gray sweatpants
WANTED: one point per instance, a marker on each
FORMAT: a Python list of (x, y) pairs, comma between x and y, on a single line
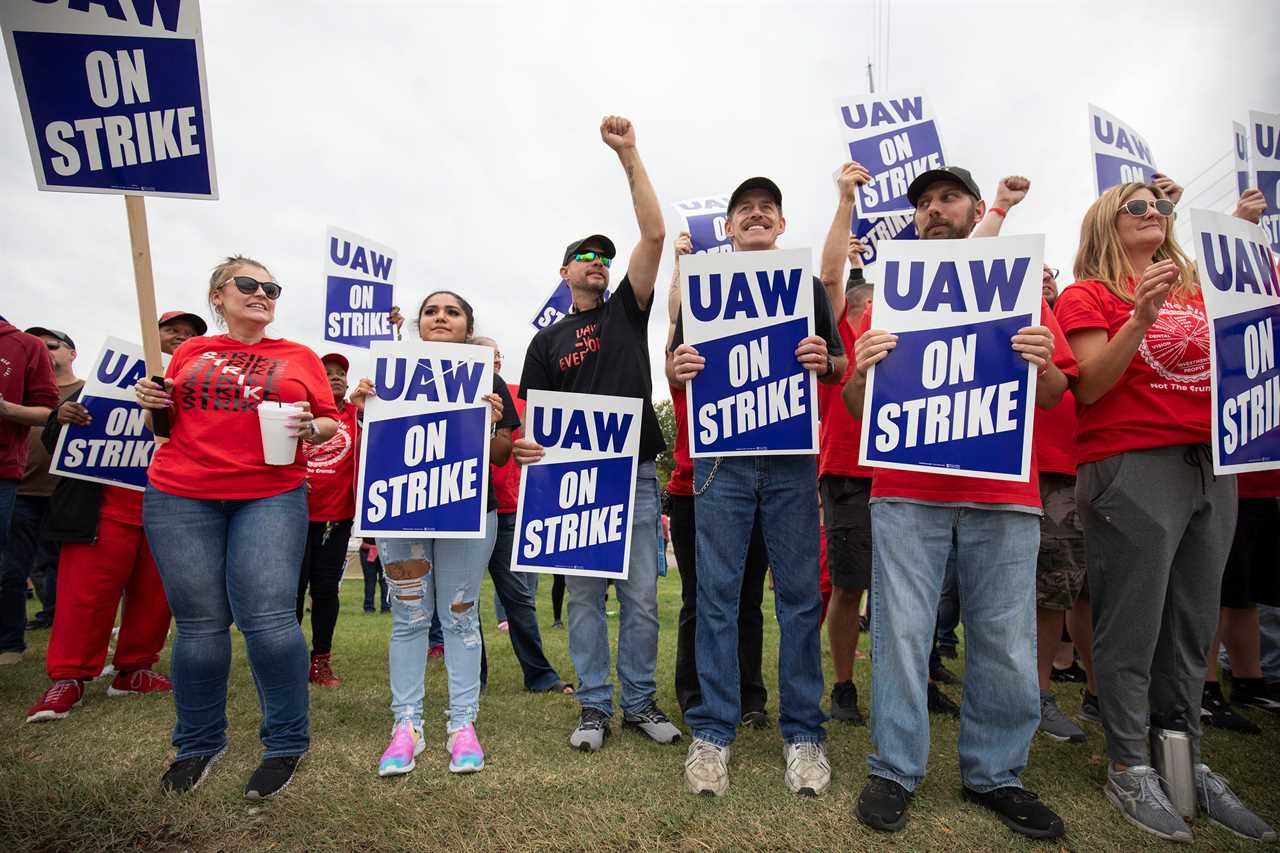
[(1158, 527)]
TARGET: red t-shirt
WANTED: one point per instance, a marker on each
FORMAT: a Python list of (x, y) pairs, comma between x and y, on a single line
[(681, 482), (331, 470), (838, 433), (122, 505), (505, 479), (26, 378), (1259, 484), (944, 488), (215, 445), (1055, 437), (1162, 398)]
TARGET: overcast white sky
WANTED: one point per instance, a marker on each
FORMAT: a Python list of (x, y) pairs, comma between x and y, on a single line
[(465, 136)]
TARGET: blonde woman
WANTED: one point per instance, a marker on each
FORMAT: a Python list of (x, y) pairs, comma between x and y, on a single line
[(1158, 523)]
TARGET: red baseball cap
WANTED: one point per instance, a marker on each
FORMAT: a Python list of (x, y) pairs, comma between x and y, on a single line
[(196, 321), (336, 358)]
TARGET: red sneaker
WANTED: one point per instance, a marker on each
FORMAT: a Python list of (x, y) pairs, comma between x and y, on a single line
[(322, 673), (138, 681), (436, 651), (57, 701)]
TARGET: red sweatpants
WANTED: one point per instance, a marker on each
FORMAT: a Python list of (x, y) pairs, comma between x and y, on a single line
[(91, 579)]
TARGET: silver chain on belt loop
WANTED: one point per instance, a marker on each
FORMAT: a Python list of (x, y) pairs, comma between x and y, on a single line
[(711, 478)]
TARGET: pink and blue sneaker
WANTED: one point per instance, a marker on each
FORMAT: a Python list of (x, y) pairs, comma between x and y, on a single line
[(406, 744), (465, 754)]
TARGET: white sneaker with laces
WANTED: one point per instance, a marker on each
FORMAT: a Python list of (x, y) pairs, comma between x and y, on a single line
[(808, 771), (706, 768)]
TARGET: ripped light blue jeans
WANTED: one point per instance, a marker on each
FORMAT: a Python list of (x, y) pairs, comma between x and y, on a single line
[(426, 576)]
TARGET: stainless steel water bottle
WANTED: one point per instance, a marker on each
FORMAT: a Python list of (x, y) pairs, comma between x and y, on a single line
[(1171, 756)]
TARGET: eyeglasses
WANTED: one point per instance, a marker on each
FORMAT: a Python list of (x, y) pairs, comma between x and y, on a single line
[(249, 286), (1053, 272), (1139, 206), (588, 257)]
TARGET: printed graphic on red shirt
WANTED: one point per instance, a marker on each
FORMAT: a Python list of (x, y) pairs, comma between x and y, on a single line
[(328, 457), (1176, 346), (229, 381)]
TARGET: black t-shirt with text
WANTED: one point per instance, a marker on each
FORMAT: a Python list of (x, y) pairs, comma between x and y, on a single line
[(601, 351)]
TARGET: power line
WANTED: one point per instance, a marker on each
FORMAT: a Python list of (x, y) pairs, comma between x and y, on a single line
[(1209, 188)]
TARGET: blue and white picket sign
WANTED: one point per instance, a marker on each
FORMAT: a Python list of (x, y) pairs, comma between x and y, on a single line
[(574, 513), (116, 447), (872, 232), (556, 306), (953, 397), (113, 95), (896, 138), (1120, 154), (1242, 301), (360, 280), (704, 219), (745, 313), (424, 450), (1264, 165), (1240, 145)]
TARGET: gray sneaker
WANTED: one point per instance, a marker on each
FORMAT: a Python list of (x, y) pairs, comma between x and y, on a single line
[(653, 723), (808, 771), (1139, 795), (1219, 802), (706, 768), (1055, 724), (593, 728)]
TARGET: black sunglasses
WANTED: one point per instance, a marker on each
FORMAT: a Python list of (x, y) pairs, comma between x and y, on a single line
[(1053, 273), (1139, 206), (249, 286)]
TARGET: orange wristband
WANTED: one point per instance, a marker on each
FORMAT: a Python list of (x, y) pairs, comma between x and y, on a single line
[(1000, 210)]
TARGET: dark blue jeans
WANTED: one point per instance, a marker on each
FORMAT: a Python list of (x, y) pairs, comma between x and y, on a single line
[(22, 552), (521, 615), (223, 561)]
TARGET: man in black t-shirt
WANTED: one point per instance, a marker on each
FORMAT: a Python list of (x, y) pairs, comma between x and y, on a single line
[(602, 348), (731, 492)]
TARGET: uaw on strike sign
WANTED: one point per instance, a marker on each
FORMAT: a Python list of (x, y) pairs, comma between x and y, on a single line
[(953, 397), (113, 95), (359, 289)]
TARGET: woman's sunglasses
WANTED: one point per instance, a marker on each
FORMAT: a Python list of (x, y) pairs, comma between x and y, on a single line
[(1139, 206), (249, 286)]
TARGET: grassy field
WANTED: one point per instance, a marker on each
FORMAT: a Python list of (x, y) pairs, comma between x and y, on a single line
[(90, 782)]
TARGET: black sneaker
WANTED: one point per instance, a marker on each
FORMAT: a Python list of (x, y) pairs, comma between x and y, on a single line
[(1018, 809), (272, 776), (942, 675), (757, 720), (593, 728), (844, 703), (1214, 711), (883, 804), (650, 721), (1073, 674), (1089, 708), (1254, 693), (186, 774), (939, 703)]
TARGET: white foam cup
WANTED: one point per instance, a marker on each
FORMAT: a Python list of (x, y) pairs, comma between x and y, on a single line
[(278, 446)]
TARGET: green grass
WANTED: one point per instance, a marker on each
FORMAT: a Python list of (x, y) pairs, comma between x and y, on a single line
[(90, 782)]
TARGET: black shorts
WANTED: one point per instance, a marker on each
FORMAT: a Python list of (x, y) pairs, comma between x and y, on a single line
[(1253, 567), (847, 518)]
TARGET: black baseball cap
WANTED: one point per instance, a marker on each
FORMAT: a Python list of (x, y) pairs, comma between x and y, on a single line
[(197, 322), (598, 240), (955, 174), (39, 331), (757, 183)]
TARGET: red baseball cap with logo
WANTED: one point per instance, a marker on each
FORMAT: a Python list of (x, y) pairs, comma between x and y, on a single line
[(196, 321)]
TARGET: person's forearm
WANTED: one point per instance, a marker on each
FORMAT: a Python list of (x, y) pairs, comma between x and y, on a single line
[(1050, 387), (990, 225), (853, 394), (32, 416), (325, 429), (834, 250), (1101, 371), (500, 447), (643, 197), (838, 365), (673, 301)]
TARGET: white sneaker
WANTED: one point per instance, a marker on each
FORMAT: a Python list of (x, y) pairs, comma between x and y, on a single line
[(808, 771), (706, 768)]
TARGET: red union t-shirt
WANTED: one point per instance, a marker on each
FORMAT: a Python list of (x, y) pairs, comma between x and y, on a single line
[(838, 433), (944, 488), (505, 479), (1162, 398), (215, 446), (331, 470), (1055, 437), (681, 482)]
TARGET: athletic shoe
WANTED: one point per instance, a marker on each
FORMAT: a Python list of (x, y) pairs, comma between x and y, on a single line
[(436, 651), (883, 804), (1219, 802), (940, 703), (322, 673), (1089, 708), (10, 658), (1254, 693), (593, 728), (655, 724), (39, 624), (808, 771), (844, 703), (1139, 795), (406, 744), (137, 682), (272, 776), (1073, 674), (1215, 711), (186, 774), (465, 754), (504, 625), (557, 624), (942, 675), (57, 702), (1018, 809), (757, 720), (1055, 724), (706, 768)]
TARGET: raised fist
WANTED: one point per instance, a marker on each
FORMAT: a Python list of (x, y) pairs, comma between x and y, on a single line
[(618, 132), (1011, 191)]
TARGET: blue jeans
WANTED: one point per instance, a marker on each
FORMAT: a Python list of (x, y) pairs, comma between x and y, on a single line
[(637, 619), (449, 587), (995, 567), (515, 603), (23, 554), (944, 632), (782, 492), (223, 561)]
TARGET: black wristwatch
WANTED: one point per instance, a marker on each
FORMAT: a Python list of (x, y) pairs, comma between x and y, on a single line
[(831, 367)]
